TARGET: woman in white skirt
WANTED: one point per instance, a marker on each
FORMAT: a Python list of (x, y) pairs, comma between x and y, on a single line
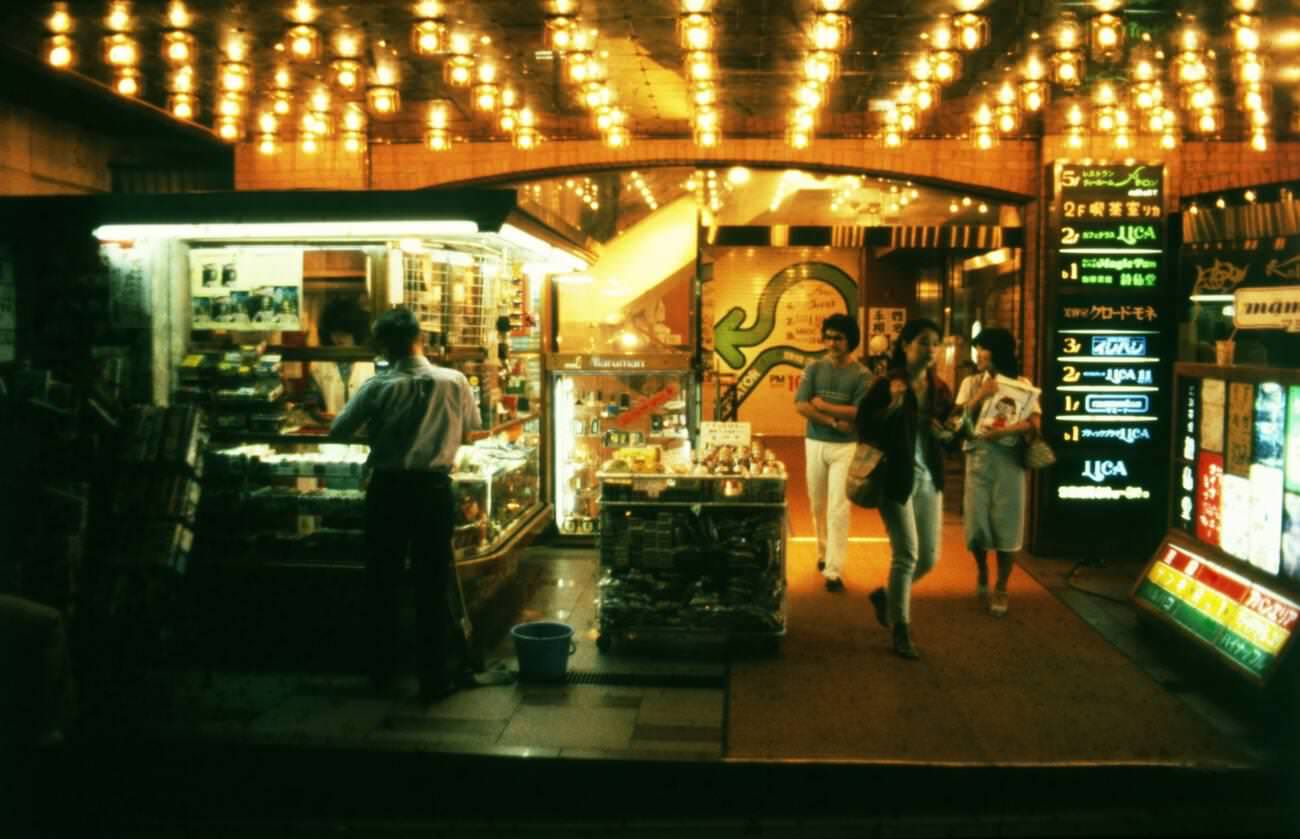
[(994, 500)]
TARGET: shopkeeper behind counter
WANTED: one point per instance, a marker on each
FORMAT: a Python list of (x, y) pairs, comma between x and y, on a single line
[(343, 323)]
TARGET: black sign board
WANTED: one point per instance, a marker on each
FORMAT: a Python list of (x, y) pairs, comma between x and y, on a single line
[(1105, 400)]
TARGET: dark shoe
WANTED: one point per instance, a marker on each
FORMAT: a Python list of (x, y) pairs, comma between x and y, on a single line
[(903, 642), (821, 565), (835, 584), (880, 602)]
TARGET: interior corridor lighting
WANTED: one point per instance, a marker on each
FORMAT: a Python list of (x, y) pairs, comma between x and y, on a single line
[(1106, 38)]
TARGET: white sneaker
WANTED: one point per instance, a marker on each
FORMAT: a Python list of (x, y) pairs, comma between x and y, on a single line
[(998, 604)]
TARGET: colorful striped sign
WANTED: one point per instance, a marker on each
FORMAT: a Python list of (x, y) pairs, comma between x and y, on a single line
[(1242, 621)]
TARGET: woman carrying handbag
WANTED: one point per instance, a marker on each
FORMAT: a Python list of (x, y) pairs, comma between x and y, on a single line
[(904, 413), (993, 507)]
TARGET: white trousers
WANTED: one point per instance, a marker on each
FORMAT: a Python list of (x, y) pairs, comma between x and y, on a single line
[(827, 469)]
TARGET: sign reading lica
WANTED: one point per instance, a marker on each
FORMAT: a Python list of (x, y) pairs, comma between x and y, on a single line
[(1102, 402)]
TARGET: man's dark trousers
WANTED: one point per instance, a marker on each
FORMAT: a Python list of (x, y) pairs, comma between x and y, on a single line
[(410, 513)]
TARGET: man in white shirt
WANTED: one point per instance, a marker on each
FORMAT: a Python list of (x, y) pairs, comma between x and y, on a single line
[(416, 416)]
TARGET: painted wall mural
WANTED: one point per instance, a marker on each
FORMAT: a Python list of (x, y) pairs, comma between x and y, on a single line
[(767, 306)]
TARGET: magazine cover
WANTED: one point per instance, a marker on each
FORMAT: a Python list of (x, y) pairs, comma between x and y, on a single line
[(1011, 404)]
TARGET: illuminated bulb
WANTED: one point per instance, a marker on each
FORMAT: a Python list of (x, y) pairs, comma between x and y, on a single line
[(266, 144), (922, 68), (236, 47), (59, 51), (1068, 32), (119, 17), (234, 77), (347, 43), (178, 16), (354, 118), (428, 36), (1168, 140), (229, 129), (127, 81), (616, 137), (972, 32), (121, 50), (178, 47), (1074, 137), (798, 138), (182, 81), (310, 144), (461, 42), (1034, 69), (438, 115), (983, 115), (304, 43), (1143, 70), (941, 34), (230, 106), (1245, 33), (1122, 140), (947, 66), (699, 66), (509, 120), (437, 139), (383, 100), (927, 95), (1206, 122), (1105, 94), (267, 123), (181, 105), (1032, 95), (983, 138), (830, 31), (695, 32), (526, 139), (347, 73), (59, 22), (527, 117), (808, 95), (1075, 115), (952, 207), (1259, 141), (1006, 94), (984, 208), (486, 97), (459, 70), (893, 139), (319, 100), (281, 103), (353, 142), (428, 8)]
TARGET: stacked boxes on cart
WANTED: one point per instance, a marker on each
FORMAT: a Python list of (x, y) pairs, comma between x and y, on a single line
[(692, 568)]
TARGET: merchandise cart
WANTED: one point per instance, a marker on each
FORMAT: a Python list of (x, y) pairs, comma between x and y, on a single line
[(691, 556)]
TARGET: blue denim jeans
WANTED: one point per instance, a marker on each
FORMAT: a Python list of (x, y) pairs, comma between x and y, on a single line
[(913, 541)]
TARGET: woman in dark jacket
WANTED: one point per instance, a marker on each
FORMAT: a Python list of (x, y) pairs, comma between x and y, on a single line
[(904, 414)]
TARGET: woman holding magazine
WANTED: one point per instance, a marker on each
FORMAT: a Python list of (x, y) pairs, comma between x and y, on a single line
[(1000, 409)]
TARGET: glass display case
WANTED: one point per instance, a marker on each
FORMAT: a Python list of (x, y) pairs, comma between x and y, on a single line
[(287, 499), (600, 404)]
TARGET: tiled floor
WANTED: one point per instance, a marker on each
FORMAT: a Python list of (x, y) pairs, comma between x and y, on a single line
[(630, 710)]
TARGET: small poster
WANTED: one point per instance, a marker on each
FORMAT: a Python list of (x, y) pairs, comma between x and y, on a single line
[(246, 289), (1270, 419), (1265, 530), (1241, 428), (1235, 517), (1209, 489), (1293, 439), (714, 434), (1213, 397), (885, 321), (1291, 537), (1013, 403)]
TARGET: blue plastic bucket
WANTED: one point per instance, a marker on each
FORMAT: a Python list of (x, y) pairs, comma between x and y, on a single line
[(543, 648)]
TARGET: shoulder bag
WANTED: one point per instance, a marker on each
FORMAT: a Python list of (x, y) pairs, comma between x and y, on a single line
[(1037, 454), (865, 483)]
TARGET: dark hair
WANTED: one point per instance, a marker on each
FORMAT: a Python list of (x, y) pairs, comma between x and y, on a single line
[(343, 314), (1002, 345), (841, 322), (911, 329), (395, 331)]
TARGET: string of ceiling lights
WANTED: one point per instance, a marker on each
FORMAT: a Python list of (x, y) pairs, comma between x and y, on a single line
[(1112, 79)]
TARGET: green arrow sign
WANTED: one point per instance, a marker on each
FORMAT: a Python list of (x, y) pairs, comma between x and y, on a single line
[(729, 334)]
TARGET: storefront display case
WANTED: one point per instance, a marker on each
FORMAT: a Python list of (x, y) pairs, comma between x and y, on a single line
[(693, 549), (1227, 574), (601, 403)]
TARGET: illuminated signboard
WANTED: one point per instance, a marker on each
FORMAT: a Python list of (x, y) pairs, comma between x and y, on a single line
[(1246, 623), (1105, 388), (1185, 451)]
